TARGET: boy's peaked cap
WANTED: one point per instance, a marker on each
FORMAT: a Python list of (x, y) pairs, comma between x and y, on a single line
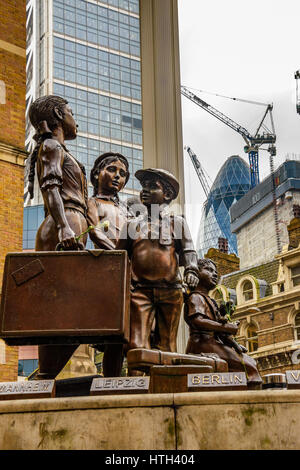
[(162, 174)]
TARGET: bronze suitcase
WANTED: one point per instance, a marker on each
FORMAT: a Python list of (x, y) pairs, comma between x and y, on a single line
[(71, 297)]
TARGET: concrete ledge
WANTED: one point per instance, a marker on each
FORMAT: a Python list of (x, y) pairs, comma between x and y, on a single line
[(254, 420), (187, 421), (85, 403), (224, 398)]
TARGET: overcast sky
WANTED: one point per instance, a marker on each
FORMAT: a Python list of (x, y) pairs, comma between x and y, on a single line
[(242, 49)]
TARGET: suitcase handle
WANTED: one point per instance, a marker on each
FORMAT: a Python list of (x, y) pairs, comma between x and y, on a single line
[(59, 247)]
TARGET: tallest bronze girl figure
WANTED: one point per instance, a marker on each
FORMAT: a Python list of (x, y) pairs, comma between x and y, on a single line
[(63, 184)]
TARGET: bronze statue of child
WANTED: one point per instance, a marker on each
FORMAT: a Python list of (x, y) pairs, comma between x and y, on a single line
[(109, 175), (157, 244), (61, 177), (209, 333), (63, 185)]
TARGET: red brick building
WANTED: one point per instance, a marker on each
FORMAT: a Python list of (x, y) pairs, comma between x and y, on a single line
[(12, 139)]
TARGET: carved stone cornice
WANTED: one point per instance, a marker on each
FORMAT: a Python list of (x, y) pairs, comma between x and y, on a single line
[(11, 154), (274, 361)]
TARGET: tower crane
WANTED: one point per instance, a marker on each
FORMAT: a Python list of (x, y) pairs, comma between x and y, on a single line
[(253, 142), (297, 77), (199, 170)]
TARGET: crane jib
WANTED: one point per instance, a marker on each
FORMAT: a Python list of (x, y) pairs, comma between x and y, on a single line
[(253, 141)]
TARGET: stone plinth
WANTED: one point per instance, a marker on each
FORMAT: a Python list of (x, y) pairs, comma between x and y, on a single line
[(208, 420)]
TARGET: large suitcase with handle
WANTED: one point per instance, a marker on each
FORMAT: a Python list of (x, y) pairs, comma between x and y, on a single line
[(71, 297)]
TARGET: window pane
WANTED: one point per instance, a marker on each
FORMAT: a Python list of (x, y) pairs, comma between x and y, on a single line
[(252, 338), (295, 271)]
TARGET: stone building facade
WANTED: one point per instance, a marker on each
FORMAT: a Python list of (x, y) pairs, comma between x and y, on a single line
[(12, 139), (267, 299), (253, 219)]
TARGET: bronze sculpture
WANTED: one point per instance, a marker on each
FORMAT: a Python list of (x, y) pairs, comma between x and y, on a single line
[(63, 185), (61, 177), (109, 175), (157, 243), (208, 331)]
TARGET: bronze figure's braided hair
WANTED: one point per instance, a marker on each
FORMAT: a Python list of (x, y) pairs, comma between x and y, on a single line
[(44, 120)]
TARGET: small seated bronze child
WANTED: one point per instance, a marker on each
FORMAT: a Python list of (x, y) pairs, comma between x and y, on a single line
[(210, 334)]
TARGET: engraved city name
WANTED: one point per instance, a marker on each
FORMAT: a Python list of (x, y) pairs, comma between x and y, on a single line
[(215, 381), (120, 385), (32, 389), (293, 378)]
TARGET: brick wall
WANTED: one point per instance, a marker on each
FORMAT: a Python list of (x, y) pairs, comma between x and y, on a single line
[(226, 263), (12, 138), (11, 209), (12, 71)]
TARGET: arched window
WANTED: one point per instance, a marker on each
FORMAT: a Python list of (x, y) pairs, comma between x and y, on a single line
[(247, 291), (297, 327), (252, 338), (218, 296)]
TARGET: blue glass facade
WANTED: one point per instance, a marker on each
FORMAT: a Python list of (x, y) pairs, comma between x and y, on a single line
[(27, 366), (32, 219), (96, 67), (105, 124), (231, 184)]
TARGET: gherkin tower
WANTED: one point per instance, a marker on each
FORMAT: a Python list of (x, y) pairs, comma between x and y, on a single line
[(231, 184)]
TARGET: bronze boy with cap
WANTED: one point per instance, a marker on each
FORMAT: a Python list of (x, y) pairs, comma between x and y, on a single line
[(157, 244)]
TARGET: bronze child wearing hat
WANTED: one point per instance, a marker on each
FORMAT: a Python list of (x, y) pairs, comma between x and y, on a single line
[(108, 176), (157, 243), (209, 333)]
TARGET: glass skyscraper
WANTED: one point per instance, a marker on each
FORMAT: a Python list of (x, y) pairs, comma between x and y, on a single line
[(88, 52), (231, 184)]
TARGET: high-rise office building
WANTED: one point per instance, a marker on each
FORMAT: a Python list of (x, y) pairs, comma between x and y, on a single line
[(87, 51), (231, 184)]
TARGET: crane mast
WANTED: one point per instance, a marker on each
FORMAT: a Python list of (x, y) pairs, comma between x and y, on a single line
[(199, 170), (253, 142), (297, 77)]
